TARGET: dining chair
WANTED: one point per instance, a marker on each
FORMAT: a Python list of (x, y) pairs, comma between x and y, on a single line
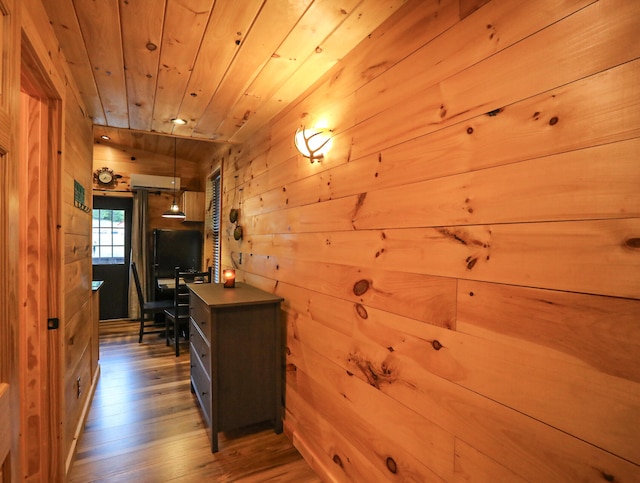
[(148, 308), (177, 317)]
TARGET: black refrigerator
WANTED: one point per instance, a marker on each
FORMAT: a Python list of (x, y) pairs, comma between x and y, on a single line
[(175, 248)]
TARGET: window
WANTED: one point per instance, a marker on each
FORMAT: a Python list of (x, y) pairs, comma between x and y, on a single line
[(108, 237)]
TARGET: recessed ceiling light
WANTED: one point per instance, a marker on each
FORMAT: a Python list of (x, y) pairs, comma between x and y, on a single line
[(105, 137), (178, 121)]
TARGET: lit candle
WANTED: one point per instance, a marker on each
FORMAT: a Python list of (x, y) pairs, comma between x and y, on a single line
[(229, 276)]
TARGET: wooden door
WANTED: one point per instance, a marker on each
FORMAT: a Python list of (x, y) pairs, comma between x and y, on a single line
[(39, 355), (9, 372)]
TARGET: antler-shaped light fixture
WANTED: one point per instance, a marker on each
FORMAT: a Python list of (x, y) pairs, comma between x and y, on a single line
[(313, 143)]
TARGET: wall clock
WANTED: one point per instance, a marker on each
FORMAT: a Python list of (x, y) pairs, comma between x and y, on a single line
[(105, 177)]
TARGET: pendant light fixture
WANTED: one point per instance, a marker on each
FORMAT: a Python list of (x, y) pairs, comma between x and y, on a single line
[(174, 211)]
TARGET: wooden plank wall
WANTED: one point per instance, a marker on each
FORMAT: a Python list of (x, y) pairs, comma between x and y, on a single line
[(461, 273), (73, 369), (80, 366), (125, 160)]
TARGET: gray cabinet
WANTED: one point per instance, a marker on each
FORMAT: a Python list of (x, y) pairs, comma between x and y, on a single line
[(236, 356)]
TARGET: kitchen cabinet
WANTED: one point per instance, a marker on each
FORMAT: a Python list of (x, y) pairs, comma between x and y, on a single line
[(193, 205)]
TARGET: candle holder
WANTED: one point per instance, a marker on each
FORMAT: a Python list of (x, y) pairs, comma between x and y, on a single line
[(229, 277)]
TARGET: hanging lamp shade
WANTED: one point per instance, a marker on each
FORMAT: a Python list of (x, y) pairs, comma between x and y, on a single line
[(174, 210)]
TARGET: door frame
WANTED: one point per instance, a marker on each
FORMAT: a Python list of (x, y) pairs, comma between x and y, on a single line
[(40, 353), (9, 371)]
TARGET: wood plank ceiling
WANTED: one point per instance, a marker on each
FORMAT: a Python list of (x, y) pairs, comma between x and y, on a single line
[(224, 66)]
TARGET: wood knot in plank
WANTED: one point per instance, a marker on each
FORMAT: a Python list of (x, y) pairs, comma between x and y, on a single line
[(461, 236), (436, 344), (359, 203), (607, 476), (632, 243), (375, 70), (450, 234), (362, 311), (375, 376), (392, 466), (361, 287), (337, 460)]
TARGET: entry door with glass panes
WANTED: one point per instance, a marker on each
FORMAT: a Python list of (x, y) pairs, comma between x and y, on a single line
[(110, 252)]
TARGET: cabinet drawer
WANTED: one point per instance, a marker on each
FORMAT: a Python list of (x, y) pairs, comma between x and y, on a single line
[(201, 315), (201, 385), (200, 348)]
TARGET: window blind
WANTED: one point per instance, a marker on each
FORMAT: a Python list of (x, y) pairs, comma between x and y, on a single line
[(213, 194)]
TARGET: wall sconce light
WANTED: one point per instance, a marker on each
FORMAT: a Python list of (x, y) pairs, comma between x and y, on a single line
[(174, 209), (313, 143)]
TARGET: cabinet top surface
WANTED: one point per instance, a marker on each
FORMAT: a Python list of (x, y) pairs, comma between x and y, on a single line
[(216, 295)]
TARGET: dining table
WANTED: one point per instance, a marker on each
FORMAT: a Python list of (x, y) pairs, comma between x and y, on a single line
[(170, 283)]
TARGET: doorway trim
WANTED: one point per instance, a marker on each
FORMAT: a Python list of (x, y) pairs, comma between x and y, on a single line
[(40, 355), (10, 460)]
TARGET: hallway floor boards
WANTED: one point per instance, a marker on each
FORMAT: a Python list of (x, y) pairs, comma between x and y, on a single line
[(144, 424)]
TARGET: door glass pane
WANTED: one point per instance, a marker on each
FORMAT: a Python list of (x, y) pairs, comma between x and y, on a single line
[(105, 252), (108, 237), (118, 237), (118, 253), (105, 238)]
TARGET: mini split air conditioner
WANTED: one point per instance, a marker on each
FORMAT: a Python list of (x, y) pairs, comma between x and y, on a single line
[(153, 183)]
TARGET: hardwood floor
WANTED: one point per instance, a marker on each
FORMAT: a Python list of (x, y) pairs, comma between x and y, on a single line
[(144, 424)]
